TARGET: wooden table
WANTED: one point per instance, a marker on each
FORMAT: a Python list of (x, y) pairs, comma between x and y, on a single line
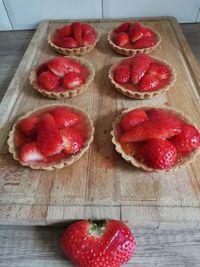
[(39, 246)]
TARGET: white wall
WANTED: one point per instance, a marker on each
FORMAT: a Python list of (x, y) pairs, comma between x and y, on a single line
[(26, 14)]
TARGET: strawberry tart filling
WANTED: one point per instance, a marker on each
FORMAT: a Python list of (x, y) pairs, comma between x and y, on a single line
[(134, 36), (142, 73), (51, 135), (60, 74), (74, 35), (157, 138)]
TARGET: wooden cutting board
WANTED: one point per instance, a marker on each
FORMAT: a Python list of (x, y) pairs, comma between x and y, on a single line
[(101, 184)]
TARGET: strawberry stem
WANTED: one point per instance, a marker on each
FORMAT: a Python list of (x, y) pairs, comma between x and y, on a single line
[(97, 228)]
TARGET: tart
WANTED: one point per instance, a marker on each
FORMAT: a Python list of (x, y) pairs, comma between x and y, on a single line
[(142, 76), (62, 77), (74, 39), (130, 38), (156, 138), (50, 137)]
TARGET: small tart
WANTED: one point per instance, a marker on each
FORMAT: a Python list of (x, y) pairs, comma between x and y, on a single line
[(61, 94), (61, 159), (116, 131), (135, 94), (77, 51), (132, 51)]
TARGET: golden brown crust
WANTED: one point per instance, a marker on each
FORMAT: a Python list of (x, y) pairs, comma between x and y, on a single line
[(183, 163), (131, 51), (69, 93), (138, 94), (52, 166), (78, 51)]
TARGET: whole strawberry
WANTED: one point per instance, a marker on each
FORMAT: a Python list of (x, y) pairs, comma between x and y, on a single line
[(106, 244)]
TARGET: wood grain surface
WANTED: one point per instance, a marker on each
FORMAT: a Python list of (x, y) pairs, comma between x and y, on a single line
[(101, 184)]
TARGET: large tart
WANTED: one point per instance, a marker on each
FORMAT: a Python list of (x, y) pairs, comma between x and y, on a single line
[(74, 39), (156, 138), (50, 137), (142, 76), (130, 38), (62, 77)]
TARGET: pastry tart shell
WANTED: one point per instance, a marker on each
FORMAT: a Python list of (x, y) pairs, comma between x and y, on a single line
[(68, 93), (62, 163), (183, 163), (143, 95)]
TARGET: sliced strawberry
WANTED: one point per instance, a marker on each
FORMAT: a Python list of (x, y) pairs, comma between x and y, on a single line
[(49, 80), (121, 39), (139, 66), (48, 139), (20, 139), (145, 42), (64, 117), (29, 125), (41, 68), (68, 42), (148, 32), (148, 130), (87, 28), (72, 80), (74, 66), (58, 65), (30, 152), (73, 140), (88, 38), (160, 70), (57, 40), (77, 32), (148, 83), (135, 32), (64, 31), (122, 74), (132, 118), (188, 140), (158, 154), (163, 115), (124, 27)]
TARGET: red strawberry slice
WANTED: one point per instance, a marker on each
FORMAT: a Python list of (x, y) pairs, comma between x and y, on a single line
[(41, 68), (148, 32), (49, 139), (68, 42), (64, 117), (121, 39), (87, 28), (58, 65), (124, 27), (20, 139), (56, 40), (73, 140), (148, 83), (139, 66), (163, 115), (135, 32), (49, 80), (159, 154), (132, 118), (122, 74), (145, 42), (161, 71), (188, 140), (77, 32), (148, 130), (30, 152), (64, 31), (88, 38), (72, 80), (107, 244), (29, 125)]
